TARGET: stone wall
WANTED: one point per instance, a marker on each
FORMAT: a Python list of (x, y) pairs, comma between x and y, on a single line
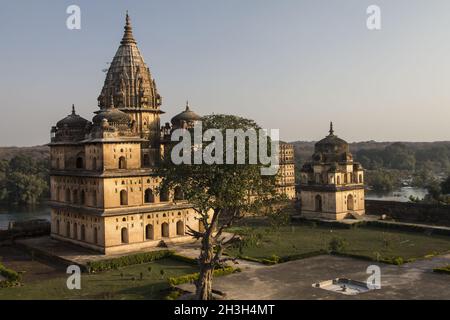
[(410, 212)]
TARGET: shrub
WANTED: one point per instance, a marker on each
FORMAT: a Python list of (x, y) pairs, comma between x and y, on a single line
[(12, 277), (138, 258), (337, 245), (184, 259), (445, 269), (190, 278)]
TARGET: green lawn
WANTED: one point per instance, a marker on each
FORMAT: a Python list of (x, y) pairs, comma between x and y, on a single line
[(124, 283), (363, 241)]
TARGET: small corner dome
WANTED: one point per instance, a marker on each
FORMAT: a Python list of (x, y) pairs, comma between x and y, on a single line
[(73, 120), (112, 115), (187, 115)]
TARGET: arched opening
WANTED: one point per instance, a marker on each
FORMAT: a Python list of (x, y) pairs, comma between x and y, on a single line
[(180, 228), (94, 198), (124, 235), (165, 230), (149, 197), (94, 163), (345, 178), (149, 234), (123, 198), (146, 160), (350, 202), (164, 195), (68, 229), (83, 233), (80, 163), (82, 197), (178, 194), (75, 196), (318, 203), (95, 235), (67, 197), (57, 226), (360, 178), (122, 163), (75, 231), (339, 180)]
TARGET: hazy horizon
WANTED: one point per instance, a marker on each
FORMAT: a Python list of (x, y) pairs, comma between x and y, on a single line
[(289, 64)]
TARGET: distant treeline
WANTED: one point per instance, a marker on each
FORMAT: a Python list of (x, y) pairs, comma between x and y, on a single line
[(24, 179)]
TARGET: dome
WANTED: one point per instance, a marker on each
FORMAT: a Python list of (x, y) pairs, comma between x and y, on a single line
[(187, 115), (72, 120), (113, 115), (332, 144)]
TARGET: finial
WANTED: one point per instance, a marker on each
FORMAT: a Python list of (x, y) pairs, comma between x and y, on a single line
[(187, 105), (73, 109), (128, 34), (331, 128)]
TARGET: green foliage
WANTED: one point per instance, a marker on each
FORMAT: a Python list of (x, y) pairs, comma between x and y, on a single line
[(445, 269), (12, 277), (337, 245), (184, 259), (382, 180), (23, 180), (138, 258), (445, 186), (190, 278)]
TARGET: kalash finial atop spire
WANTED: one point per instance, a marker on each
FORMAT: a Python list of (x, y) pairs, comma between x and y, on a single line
[(187, 105), (128, 34), (331, 128), (73, 109)]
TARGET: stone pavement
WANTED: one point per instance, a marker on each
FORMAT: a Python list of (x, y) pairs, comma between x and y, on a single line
[(293, 280)]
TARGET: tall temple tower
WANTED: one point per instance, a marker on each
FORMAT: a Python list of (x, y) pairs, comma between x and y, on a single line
[(103, 183), (332, 184)]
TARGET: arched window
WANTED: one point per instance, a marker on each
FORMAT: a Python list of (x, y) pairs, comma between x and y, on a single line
[(178, 194), (164, 195), (180, 228), (83, 233), (75, 231), (57, 226), (165, 230), (67, 198), (350, 202), (82, 197), (94, 163), (345, 178), (95, 235), (339, 180), (94, 198), (122, 163), (146, 160), (149, 197), (124, 235), (149, 234), (123, 198), (318, 203), (360, 178), (75, 196), (80, 163), (68, 229)]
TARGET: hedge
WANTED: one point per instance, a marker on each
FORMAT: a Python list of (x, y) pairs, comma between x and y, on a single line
[(138, 258), (190, 278), (184, 259), (445, 269), (12, 277)]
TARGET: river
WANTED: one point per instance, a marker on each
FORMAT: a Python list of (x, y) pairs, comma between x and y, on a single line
[(22, 213), (401, 195)]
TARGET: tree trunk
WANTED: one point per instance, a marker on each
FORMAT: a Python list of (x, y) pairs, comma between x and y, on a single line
[(204, 282)]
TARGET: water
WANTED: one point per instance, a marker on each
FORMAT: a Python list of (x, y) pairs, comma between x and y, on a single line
[(21, 214), (401, 195)]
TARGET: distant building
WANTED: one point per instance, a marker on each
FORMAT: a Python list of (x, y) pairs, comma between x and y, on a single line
[(285, 182), (332, 184)]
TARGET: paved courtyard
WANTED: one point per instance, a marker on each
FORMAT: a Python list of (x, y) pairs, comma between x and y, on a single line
[(293, 280)]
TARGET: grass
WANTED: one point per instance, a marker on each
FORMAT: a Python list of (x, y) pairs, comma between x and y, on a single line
[(123, 283), (263, 242)]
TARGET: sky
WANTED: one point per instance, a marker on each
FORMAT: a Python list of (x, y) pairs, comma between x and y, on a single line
[(291, 65)]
